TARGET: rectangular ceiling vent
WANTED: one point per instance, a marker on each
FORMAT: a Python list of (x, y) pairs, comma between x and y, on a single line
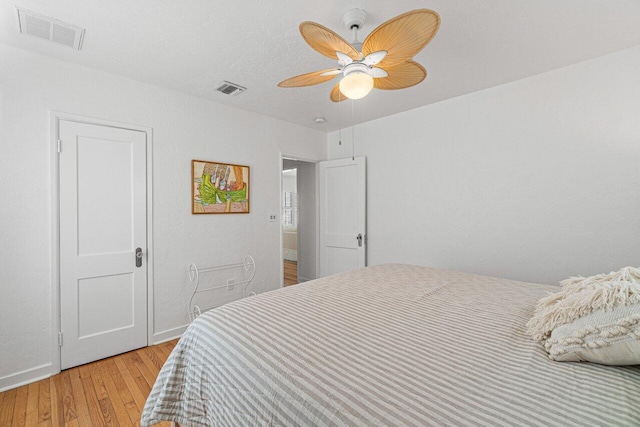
[(229, 88), (50, 29)]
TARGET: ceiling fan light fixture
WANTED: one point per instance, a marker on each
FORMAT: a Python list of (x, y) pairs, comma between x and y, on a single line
[(356, 85), (385, 55)]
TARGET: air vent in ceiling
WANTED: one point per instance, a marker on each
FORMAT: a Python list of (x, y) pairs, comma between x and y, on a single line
[(50, 29), (229, 88)]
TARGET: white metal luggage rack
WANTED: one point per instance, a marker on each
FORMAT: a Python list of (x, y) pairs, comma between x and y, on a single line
[(247, 268)]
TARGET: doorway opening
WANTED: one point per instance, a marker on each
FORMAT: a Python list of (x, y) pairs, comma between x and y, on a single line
[(298, 221)]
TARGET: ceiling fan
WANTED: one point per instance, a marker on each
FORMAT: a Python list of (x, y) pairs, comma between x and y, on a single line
[(383, 60)]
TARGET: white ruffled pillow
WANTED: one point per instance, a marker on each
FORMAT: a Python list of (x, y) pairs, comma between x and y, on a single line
[(609, 337), (594, 319)]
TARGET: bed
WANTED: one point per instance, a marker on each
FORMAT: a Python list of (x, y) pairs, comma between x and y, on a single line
[(390, 345)]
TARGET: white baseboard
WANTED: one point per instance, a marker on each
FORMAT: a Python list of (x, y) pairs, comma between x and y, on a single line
[(302, 279), (25, 377), (44, 371), (168, 335)]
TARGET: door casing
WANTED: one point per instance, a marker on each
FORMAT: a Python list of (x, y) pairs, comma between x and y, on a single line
[(55, 117)]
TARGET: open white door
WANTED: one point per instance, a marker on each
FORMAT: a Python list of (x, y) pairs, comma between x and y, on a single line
[(103, 270), (342, 215)]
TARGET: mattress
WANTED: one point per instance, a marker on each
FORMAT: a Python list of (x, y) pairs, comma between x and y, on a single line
[(390, 345)]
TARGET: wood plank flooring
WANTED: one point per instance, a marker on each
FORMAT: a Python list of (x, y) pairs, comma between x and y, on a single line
[(290, 273), (109, 392)]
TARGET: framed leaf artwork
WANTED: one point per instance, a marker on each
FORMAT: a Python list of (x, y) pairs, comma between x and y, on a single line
[(219, 188)]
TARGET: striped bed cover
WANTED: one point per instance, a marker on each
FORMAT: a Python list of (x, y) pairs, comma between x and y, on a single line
[(390, 345)]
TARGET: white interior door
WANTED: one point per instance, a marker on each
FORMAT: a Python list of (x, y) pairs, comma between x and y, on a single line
[(342, 215), (103, 293)]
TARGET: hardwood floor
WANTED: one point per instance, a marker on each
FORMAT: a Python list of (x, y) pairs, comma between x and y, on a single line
[(290, 273), (107, 392)]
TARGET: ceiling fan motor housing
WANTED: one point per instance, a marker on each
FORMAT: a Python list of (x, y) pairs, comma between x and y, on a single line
[(355, 67)]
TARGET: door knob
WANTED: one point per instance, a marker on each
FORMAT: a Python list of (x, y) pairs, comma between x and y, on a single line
[(139, 257)]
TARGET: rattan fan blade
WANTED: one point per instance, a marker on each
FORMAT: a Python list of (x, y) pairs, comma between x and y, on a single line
[(335, 94), (403, 36), (407, 74), (310, 79), (326, 41)]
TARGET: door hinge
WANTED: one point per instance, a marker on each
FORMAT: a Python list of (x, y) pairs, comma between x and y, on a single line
[(59, 146), (60, 339)]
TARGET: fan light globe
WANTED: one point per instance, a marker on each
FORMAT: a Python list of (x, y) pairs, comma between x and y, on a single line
[(356, 85)]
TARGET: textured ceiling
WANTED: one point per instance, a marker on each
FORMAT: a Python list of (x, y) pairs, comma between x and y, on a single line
[(192, 45)]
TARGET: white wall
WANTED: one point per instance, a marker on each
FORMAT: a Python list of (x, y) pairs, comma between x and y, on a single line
[(289, 181), (534, 180), (307, 224), (184, 128)]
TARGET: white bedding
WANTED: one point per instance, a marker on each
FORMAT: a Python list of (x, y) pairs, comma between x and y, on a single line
[(392, 345)]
